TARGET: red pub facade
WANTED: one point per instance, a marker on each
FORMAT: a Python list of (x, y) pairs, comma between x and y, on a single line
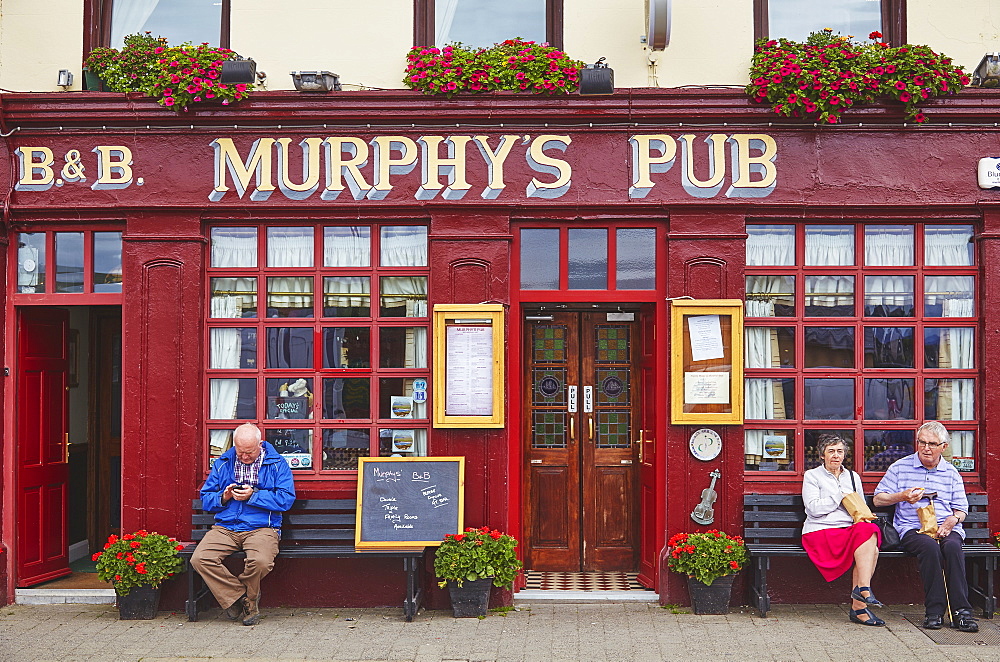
[(167, 276)]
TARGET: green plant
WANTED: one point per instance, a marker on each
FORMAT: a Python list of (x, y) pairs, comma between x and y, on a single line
[(127, 70), (137, 559), (828, 73), (706, 556), (514, 64), (476, 554), (674, 609)]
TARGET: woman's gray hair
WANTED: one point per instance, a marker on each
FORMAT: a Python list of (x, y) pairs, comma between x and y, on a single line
[(937, 429), (826, 440)]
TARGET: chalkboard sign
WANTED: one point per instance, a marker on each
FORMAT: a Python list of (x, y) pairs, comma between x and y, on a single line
[(408, 501)]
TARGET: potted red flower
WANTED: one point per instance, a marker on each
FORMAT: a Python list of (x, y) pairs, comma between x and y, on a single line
[(136, 564)]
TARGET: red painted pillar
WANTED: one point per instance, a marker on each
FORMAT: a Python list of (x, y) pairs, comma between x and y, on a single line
[(989, 432)]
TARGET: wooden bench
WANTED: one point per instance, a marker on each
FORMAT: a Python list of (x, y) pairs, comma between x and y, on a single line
[(772, 526), (312, 529)]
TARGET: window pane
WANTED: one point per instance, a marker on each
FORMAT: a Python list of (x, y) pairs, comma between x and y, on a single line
[(829, 347), (232, 398), (290, 296), (948, 246), (402, 442), (540, 259), (347, 247), (68, 251), (107, 261), (179, 21), (949, 347), (294, 446), (769, 450), (828, 399), (289, 397), (770, 296), (347, 296), (829, 245), (289, 347), (889, 245), (789, 19), (402, 347), (234, 247), (588, 259), (770, 245), (769, 399), (395, 399), (404, 246), (883, 447), (31, 262), (949, 296), (342, 448), (347, 398), (963, 449), (889, 296), (636, 259), (347, 347), (889, 347), (769, 347), (234, 297), (889, 399), (233, 348), (950, 399), (290, 247), (829, 296), (481, 23), (811, 443), (404, 296)]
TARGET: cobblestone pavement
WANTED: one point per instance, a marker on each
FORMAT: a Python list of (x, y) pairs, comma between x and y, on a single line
[(66, 633)]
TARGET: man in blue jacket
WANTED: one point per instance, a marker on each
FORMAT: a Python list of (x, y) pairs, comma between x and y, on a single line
[(250, 485)]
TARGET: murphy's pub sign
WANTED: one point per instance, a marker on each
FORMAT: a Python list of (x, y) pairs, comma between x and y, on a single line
[(396, 167)]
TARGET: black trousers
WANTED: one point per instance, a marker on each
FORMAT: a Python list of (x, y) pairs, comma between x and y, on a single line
[(933, 554)]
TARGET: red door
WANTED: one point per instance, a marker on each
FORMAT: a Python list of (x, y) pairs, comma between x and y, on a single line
[(43, 470), (650, 539)]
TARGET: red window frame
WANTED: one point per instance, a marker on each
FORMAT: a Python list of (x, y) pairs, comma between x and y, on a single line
[(375, 321), (97, 24), (893, 21), (49, 297), (859, 322), (424, 32)]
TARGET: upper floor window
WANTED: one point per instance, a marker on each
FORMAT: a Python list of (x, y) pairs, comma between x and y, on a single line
[(179, 21), (785, 18), (480, 23), (69, 262), (575, 258)]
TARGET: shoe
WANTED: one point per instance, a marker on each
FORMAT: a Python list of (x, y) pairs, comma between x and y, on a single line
[(236, 610), (933, 621), (872, 618), (252, 616), (964, 622), (871, 600)]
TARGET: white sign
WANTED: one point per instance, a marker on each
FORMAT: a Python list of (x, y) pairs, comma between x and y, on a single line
[(705, 444), (588, 399), (571, 400), (419, 384), (469, 371), (706, 337), (775, 447), (706, 388), (989, 172)]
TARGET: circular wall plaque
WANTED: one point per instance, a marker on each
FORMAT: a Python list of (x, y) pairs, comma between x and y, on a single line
[(706, 444)]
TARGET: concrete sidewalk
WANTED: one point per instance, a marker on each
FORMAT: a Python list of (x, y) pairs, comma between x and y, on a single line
[(637, 631)]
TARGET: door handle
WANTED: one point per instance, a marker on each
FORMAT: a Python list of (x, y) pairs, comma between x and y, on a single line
[(590, 427), (66, 447), (572, 428)]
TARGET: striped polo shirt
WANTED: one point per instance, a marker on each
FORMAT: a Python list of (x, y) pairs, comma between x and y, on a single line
[(944, 479)]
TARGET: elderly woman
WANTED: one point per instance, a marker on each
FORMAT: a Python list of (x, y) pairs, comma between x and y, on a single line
[(830, 536)]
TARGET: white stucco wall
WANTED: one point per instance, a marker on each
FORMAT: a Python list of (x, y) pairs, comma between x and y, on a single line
[(962, 29)]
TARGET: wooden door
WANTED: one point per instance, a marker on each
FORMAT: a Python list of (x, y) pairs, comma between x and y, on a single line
[(104, 497), (42, 461), (582, 413)]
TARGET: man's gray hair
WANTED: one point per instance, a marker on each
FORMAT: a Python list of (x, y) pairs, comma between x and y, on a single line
[(937, 429), (248, 430)]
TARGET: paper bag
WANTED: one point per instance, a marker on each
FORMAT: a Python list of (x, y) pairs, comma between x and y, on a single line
[(856, 506), (928, 520)]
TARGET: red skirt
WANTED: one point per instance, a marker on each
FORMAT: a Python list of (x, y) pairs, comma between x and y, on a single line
[(832, 550)]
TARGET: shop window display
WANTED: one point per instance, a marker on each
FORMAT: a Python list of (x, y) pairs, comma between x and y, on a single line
[(845, 332), (330, 377)]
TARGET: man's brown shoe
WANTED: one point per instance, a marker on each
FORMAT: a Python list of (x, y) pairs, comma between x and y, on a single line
[(252, 616), (235, 611)]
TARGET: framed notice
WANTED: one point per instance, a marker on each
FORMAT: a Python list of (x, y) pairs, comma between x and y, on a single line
[(706, 361), (468, 365)]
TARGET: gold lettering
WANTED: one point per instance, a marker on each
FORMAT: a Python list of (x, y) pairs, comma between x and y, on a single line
[(644, 163), (337, 169), (258, 163), (541, 162), (744, 164), (114, 167), (433, 165), (494, 163), (310, 168), (385, 165), (706, 188), (35, 161)]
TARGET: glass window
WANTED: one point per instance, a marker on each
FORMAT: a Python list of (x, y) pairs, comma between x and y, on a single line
[(342, 448), (889, 296), (770, 296), (396, 399), (233, 348), (402, 347), (949, 347), (290, 247), (68, 249), (403, 296), (347, 296), (829, 347), (948, 245), (949, 296), (289, 347), (889, 245), (829, 245), (540, 259), (883, 447), (769, 399), (588, 259), (232, 398), (811, 439), (347, 398), (481, 23), (829, 296), (289, 397), (888, 347), (404, 246), (769, 450), (635, 268), (889, 399), (294, 446), (828, 399), (107, 271), (347, 347), (950, 399), (789, 19), (770, 245), (347, 247), (234, 297), (31, 262), (234, 247), (769, 347), (179, 21), (290, 296)]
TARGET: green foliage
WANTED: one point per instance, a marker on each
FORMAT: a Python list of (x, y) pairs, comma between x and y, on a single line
[(177, 76), (706, 556), (137, 559), (476, 554), (827, 74), (514, 64)]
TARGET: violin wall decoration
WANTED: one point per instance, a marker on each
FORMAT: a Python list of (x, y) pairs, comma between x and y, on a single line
[(703, 513)]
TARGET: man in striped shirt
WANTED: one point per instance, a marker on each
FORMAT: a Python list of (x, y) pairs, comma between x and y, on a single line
[(914, 481)]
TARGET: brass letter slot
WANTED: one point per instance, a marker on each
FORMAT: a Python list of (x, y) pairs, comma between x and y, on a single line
[(626, 461)]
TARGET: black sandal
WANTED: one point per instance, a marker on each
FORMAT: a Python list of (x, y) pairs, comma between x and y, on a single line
[(872, 618), (871, 600)]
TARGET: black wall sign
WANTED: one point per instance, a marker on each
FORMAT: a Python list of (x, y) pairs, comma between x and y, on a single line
[(409, 501)]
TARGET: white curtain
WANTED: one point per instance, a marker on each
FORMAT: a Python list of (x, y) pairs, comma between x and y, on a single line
[(223, 394), (290, 292), (347, 292), (347, 247), (889, 246), (410, 291), (404, 246), (226, 347), (963, 443), (890, 291), (291, 248), (947, 247), (832, 246), (763, 292), (444, 16), (219, 441), (230, 296), (829, 291), (234, 247), (129, 17), (415, 355), (770, 246)]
